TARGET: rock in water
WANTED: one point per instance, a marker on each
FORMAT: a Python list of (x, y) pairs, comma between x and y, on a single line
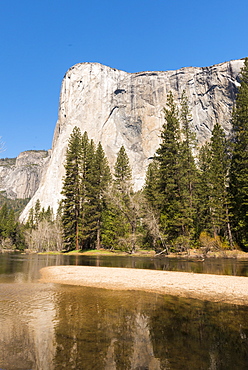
[(120, 108)]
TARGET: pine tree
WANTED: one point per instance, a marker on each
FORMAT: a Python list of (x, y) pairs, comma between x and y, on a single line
[(72, 218), (204, 222), (30, 223), (3, 220), (88, 151), (122, 171), (189, 173), (171, 178), (37, 210), (97, 184), (151, 188), (168, 158), (219, 166), (10, 231), (122, 210), (124, 193), (214, 204), (239, 164)]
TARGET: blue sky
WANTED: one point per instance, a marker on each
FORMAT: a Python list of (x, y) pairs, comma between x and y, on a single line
[(41, 39)]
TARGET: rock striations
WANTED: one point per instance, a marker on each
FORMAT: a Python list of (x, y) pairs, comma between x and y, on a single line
[(20, 177), (120, 108)]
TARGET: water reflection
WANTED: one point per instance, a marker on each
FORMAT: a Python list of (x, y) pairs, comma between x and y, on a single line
[(26, 267), (27, 314), (102, 330), (53, 327)]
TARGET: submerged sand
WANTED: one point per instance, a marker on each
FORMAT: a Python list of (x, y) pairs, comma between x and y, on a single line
[(217, 288)]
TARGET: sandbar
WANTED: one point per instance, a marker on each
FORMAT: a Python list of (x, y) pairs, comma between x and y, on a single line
[(216, 288)]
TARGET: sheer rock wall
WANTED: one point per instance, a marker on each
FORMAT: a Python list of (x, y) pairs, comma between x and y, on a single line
[(20, 177), (120, 108)]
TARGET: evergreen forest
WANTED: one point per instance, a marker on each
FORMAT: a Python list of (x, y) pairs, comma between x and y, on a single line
[(193, 197)]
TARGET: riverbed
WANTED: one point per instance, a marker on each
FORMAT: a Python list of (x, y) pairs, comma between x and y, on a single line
[(53, 326)]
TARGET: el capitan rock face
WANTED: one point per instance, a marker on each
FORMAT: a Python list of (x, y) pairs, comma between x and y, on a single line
[(120, 108)]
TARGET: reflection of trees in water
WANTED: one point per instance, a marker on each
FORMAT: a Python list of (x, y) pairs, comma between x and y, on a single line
[(194, 335), (85, 328), (100, 329), (66, 327)]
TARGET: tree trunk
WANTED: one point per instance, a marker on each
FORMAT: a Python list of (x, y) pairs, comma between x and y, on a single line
[(229, 231), (98, 234), (133, 236), (77, 243)]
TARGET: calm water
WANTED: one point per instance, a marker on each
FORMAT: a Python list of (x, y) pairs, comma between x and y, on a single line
[(49, 326)]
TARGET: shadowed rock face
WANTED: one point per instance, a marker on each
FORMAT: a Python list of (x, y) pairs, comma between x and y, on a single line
[(119, 108), (20, 177)]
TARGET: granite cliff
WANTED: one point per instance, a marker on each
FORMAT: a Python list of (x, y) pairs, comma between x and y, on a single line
[(20, 177), (120, 108)]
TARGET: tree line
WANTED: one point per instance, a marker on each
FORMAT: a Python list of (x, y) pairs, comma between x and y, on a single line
[(98, 208), (188, 199)]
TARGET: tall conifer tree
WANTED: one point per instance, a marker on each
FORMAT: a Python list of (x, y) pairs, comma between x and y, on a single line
[(116, 224), (189, 173), (204, 222), (172, 176), (122, 171), (122, 208), (72, 218), (151, 189), (219, 166), (167, 156), (99, 178), (239, 164)]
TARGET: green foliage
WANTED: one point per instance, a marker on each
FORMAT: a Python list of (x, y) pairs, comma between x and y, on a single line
[(37, 215), (86, 180), (219, 167), (98, 181), (188, 174), (172, 176), (72, 186), (122, 170), (214, 166), (204, 189), (122, 215), (185, 200), (16, 204), (151, 188), (239, 164), (169, 170), (11, 236)]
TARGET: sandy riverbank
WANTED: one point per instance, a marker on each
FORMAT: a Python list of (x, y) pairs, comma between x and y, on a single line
[(217, 288)]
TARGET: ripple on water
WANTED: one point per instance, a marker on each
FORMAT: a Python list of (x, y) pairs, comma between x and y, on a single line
[(25, 299)]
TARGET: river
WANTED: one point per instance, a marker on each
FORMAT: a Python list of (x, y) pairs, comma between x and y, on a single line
[(51, 326)]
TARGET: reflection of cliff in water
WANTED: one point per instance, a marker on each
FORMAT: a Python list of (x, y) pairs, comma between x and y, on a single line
[(27, 328), (53, 327), (101, 329), (141, 354), (107, 330)]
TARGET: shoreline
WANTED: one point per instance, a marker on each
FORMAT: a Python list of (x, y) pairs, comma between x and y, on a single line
[(193, 254), (215, 288)]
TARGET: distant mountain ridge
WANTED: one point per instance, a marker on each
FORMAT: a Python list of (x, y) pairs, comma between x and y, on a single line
[(20, 177), (120, 108)]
